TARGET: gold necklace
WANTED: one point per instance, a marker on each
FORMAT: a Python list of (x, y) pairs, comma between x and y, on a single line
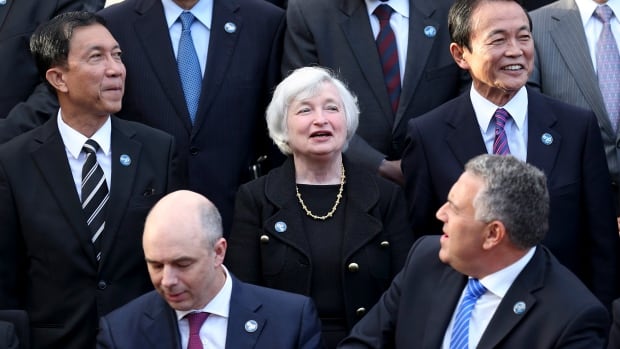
[(331, 212)]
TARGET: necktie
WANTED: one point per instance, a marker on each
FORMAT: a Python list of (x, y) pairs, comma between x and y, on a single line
[(195, 323), (189, 66), (94, 194), (608, 65), (500, 145), (388, 53), (459, 338)]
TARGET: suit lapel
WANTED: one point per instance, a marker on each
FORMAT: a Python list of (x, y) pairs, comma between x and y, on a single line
[(154, 37), (357, 31), (4, 12), (463, 136), (159, 325), (122, 182), (570, 39), (522, 290), (244, 307), (541, 119), (418, 49), (50, 157), (443, 303), (222, 45)]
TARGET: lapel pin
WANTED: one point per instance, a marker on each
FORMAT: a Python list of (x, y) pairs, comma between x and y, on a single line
[(230, 27), (280, 227), (546, 138), (124, 159), (2, 2), (251, 326), (430, 31), (519, 308)]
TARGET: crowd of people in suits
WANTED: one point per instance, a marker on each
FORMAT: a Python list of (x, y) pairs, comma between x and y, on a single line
[(269, 174)]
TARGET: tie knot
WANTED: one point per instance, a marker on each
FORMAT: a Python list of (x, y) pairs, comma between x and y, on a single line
[(604, 13), (195, 321), (187, 18), (501, 116), (384, 12), (90, 147), (475, 288)]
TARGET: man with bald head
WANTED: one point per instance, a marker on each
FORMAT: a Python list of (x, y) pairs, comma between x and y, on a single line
[(197, 301)]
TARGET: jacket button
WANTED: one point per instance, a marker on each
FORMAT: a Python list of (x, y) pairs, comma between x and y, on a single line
[(102, 285), (194, 150), (385, 244), (354, 267), (360, 311), (264, 239)]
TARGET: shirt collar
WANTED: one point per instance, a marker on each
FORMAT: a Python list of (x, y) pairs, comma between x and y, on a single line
[(499, 282), (484, 109), (74, 141), (400, 6), (587, 7), (203, 11), (219, 305)]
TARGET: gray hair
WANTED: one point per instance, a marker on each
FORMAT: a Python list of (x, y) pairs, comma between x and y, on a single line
[(210, 222), (305, 83), (514, 193)]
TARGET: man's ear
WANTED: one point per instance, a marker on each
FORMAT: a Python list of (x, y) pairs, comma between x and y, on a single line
[(495, 234), (457, 53), (56, 77)]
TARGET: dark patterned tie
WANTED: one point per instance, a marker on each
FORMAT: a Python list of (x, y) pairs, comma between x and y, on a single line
[(95, 194), (388, 53), (608, 65), (195, 323), (189, 66), (500, 145), (459, 339)]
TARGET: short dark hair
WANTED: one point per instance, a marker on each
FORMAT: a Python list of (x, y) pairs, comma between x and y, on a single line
[(49, 44), (459, 19)]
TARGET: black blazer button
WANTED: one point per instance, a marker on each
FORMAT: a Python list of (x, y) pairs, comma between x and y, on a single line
[(102, 285)]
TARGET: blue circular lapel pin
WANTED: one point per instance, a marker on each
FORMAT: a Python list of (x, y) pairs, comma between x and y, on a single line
[(519, 308), (125, 160), (251, 326), (230, 27), (280, 227), (2, 2), (430, 31), (546, 138)]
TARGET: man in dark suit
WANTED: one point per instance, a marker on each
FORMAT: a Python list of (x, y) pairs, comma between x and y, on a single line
[(184, 251), (562, 140), (18, 73), (340, 34), (238, 45), (488, 261), (74, 192)]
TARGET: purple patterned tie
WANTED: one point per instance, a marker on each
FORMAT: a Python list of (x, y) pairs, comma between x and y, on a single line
[(388, 53), (195, 323), (500, 145), (608, 65)]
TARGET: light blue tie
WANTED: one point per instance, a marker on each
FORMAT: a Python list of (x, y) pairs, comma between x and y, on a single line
[(608, 65), (189, 66), (459, 338)]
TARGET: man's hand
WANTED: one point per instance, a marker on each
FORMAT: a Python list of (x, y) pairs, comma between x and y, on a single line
[(391, 170)]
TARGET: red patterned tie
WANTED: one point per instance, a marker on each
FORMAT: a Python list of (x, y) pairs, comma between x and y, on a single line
[(195, 323), (500, 145), (388, 53)]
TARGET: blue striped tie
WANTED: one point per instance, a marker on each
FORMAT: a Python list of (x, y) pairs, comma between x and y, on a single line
[(608, 65), (459, 339), (500, 145), (388, 53), (189, 66)]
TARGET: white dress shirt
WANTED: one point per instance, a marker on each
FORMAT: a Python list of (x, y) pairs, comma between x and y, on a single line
[(213, 331), (497, 285), (516, 126), (201, 27), (74, 142), (593, 27), (400, 25)]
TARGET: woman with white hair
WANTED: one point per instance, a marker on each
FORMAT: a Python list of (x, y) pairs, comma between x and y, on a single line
[(319, 225)]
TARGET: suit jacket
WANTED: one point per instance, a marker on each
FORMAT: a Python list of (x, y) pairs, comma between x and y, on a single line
[(8, 337), (285, 321), (376, 237), (614, 333), (47, 262), (337, 34), (242, 68), (18, 71), (583, 233), (20, 326), (563, 69), (417, 308)]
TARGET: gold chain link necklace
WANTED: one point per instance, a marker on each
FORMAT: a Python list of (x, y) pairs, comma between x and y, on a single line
[(331, 212)]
